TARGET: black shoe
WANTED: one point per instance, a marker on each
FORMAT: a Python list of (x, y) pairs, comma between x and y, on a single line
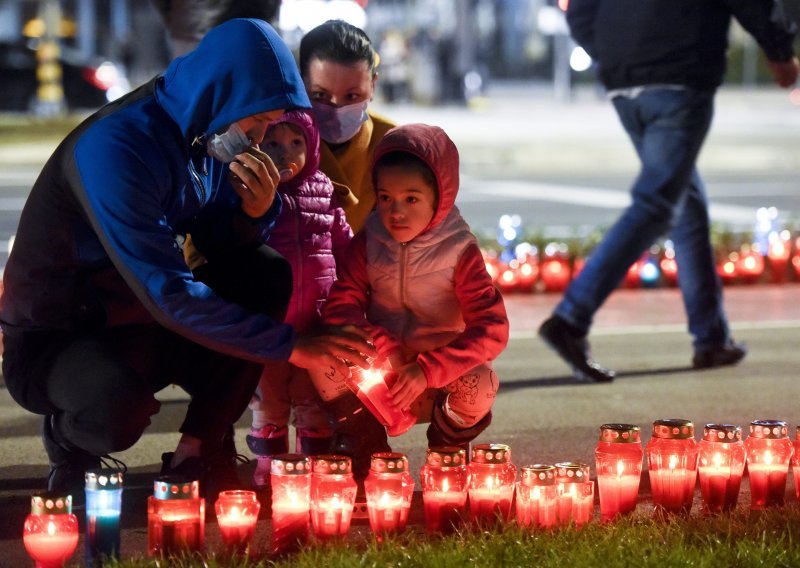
[(68, 465), (356, 433), (728, 354), (573, 347), (216, 471)]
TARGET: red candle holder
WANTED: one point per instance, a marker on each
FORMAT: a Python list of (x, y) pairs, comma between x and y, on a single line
[(575, 494), (769, 451), (389, 488), (50, 533), (445, 482), (536, 497), (778, 252), (372, 388), (721, 462), (555, 273), (290, 479), (796, 464), (672, 461), (750, 265), (618, 458), (175, 517), (491, 483), (728, 269), (333, 494), (237, 515), (796, 258)]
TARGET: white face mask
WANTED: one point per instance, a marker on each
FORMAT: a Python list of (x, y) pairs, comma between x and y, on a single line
[(225, 146), (339, 124)]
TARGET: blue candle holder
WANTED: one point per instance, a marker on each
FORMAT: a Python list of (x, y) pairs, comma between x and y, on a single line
[(103, 508)]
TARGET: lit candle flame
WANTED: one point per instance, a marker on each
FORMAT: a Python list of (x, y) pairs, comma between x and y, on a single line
[(717, 460), (490, 482), (536, 493), (768, 457), (673, 462), (51, 528), (234, 514), (620, 468), (384, 500), (370, 378), (445, 485)]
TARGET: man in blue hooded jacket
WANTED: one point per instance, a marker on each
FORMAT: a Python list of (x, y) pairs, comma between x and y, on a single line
[(100, 310)]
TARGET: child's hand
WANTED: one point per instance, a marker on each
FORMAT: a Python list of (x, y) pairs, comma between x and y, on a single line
[(410, 384)]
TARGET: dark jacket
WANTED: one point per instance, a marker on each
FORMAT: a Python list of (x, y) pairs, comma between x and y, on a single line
[(96, 244), (680, 42)]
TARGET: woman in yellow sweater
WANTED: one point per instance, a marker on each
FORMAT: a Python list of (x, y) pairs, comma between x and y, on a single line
[(339, 68)]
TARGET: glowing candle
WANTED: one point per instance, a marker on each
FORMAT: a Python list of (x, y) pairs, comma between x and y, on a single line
[(175, 517), (721, 462), (618, 458), (536, 496), (291, 502), (491, 483), (389, 488), (672, 461), (237, 515), (103, 509), (333, 493), (445, 481), (372, 388), (769, 452), (50, 533), (575, 493)]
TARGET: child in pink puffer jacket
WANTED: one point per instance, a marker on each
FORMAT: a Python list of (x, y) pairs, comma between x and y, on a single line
[(311, 231)]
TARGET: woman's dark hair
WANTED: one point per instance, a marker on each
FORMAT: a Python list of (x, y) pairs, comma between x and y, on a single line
[(410, 163), (337, 41)]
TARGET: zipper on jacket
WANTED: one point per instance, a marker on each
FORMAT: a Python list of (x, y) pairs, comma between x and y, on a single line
[(198, 182), (299, 246), (406, 311)]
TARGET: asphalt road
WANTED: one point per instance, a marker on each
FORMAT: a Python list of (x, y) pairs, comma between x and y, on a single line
[(564, 168)]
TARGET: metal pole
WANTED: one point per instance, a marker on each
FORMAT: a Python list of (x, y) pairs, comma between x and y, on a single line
[(50, 93)]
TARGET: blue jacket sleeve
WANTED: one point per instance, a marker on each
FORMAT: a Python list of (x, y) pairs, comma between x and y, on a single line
[(126, 200)]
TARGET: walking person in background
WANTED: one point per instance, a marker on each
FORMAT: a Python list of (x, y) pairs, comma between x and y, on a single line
[(662, 61), (415, 279), (340, 69)]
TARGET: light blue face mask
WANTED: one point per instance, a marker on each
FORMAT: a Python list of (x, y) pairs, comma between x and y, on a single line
[(225, 146), (339, 124)]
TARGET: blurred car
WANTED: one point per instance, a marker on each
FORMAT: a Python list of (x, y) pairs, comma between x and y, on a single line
[(87, 84)]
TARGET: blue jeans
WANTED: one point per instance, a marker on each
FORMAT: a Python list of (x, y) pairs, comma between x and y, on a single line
[(667, 128)]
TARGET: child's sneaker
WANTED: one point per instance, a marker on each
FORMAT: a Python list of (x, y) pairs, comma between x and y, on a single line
[(313, 441), (266, 442)]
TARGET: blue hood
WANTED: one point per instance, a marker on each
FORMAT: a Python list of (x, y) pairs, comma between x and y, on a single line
[(240, 68)]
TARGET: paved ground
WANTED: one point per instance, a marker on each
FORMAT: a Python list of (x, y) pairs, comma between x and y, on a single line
[(541, 411)]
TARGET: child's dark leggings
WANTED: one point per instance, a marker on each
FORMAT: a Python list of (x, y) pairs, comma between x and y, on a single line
[(99, 386)]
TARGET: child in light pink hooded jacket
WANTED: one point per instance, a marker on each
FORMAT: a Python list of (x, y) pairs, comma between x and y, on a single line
[(416, 279)]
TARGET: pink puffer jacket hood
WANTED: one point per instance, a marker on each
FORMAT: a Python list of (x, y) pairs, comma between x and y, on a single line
[(434, 147), (305, 122)]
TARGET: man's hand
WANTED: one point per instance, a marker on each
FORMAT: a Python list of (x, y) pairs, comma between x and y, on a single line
[(255, 179), (332, 349), (410, 384), (785, 73)]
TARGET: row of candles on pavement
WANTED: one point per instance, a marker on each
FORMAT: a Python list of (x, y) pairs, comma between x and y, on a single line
[(316, 495), (525, 271)]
